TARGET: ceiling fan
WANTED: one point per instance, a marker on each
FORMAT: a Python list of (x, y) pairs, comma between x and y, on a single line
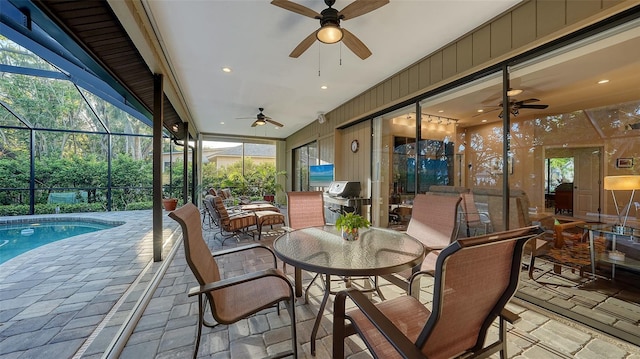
[(262, 119), (517, 105), (330, 31)]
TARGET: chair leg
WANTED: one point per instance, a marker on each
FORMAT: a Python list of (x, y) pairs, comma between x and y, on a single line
[(200, 322), (339, 325), (531, 263), (503, 339), (291, 307)]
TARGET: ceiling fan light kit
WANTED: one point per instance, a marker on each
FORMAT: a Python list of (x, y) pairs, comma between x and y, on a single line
[(262, 119), (330, 31), (329, 34), (514, 92)]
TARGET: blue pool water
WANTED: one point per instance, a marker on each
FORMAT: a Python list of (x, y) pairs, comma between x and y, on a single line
[(19, 238)]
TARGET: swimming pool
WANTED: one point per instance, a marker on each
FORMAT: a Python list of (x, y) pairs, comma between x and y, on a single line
[(20, 237)]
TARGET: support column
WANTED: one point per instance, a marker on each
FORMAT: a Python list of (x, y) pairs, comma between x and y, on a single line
[(506, 145), (185, 163), (158, 119)]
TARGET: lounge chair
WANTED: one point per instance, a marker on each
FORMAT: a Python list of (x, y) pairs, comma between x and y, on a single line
[(230, 224)]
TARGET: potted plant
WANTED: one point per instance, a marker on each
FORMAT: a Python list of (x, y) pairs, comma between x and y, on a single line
[(270, 186), (169, 203), (349, 223)]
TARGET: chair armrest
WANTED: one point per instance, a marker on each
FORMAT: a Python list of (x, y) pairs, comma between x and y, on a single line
[(414, 275), (400, 342), (224, 283), (246, 248), (480, 214), (509, 316), (428, 249), (237, 213)]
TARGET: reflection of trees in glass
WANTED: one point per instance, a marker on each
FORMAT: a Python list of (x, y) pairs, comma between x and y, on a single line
[(486, 157)]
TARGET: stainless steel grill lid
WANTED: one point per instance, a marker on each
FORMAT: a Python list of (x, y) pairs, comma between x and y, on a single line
[(344, 189)]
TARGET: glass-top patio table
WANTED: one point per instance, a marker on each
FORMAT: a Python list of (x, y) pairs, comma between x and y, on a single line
[(322, 250)]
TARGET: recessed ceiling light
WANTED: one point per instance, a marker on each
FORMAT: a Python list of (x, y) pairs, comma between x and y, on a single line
[(483, 121), (480, 110), (441, 111), (226, 69), (603, 81), (324, 87), (222, 122)]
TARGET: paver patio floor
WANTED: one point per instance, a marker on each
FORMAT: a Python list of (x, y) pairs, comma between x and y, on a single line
[(70, 299)]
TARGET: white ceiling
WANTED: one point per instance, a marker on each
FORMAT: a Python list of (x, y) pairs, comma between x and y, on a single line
[(254, 38)]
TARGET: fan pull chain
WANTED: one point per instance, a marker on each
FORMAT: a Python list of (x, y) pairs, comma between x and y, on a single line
[(340, 53), (318, 60)]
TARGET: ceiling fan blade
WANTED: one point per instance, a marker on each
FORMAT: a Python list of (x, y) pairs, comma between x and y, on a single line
[(360, 7), (485, 112), (354, 44), (275, 123), (297, 8), (529, 100), (304, 45), (541, 107)]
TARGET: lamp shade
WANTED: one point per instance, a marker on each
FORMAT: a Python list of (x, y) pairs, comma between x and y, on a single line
[(621, 183), (329, 34)]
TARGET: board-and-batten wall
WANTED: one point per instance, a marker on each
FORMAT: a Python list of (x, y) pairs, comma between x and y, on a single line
[(356, 166), (524, 27)]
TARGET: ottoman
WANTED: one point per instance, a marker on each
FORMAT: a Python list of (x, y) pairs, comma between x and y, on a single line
[(267, 218)]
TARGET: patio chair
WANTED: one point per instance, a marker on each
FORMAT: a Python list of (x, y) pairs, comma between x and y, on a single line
[(472, 218), (304, 210), (434, 223), (230, 224), (236, 298), (474, 279)]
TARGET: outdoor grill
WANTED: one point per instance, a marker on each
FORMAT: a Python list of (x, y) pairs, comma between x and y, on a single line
[(341, 197)]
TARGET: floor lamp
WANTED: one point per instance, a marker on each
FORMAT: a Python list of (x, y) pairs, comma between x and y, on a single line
[(621, 183)]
